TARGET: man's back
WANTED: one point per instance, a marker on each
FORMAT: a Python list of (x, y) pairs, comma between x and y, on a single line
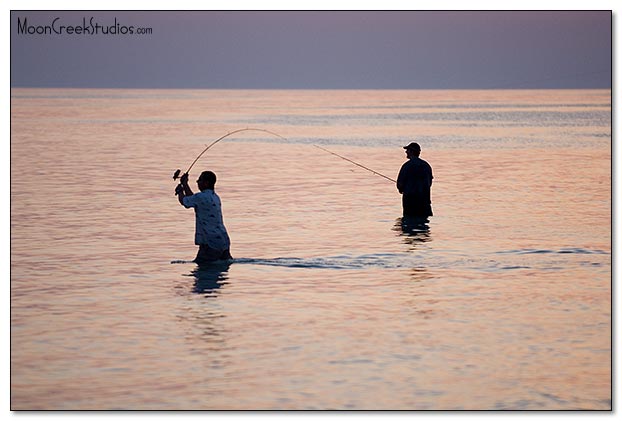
[(415, 177), (210, 228)]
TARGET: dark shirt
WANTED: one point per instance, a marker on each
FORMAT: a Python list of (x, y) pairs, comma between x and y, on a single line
[(415, 177), (414, 182)]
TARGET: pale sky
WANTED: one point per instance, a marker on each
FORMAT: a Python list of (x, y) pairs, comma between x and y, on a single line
[(315, 50)]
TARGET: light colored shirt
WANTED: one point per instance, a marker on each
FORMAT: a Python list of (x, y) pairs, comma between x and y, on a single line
[(210, 228)]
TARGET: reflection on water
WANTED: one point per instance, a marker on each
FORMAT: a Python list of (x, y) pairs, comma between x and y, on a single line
[(209, 278), (414, 230), (421, 274), (332, 303)]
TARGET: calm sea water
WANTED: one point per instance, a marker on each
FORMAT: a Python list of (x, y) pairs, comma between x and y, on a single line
[(502, 301)]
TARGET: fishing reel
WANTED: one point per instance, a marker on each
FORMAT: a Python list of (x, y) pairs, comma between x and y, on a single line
[(176, 176)]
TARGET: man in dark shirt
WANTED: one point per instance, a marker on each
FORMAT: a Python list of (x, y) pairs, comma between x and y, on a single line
[(414, 182)]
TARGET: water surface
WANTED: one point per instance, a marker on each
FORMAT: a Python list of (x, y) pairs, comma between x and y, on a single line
[(501, 301)]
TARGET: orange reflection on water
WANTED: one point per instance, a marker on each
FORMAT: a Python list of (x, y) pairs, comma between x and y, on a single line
[(503, 301)]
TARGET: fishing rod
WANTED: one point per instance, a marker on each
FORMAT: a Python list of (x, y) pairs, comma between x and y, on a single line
[(355, 163), (176, 175)]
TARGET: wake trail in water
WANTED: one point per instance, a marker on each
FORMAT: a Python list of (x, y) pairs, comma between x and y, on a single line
[(382, 261), (488, 262)]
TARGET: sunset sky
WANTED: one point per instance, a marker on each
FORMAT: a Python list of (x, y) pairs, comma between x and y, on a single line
[(316, 50)]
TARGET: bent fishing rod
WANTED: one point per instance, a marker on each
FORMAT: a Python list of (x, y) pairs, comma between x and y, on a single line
[(178, 172), (355, 163)]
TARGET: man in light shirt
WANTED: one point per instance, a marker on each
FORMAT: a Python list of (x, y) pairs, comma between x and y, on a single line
[(210, 233)]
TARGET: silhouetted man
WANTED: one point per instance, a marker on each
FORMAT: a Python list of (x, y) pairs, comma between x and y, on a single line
[(210, 232), (414, 183)]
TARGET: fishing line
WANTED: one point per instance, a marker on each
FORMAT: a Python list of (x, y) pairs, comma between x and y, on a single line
[(178, 172), (355, 163)]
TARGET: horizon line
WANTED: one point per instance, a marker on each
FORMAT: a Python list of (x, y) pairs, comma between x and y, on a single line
[(315, 88)]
